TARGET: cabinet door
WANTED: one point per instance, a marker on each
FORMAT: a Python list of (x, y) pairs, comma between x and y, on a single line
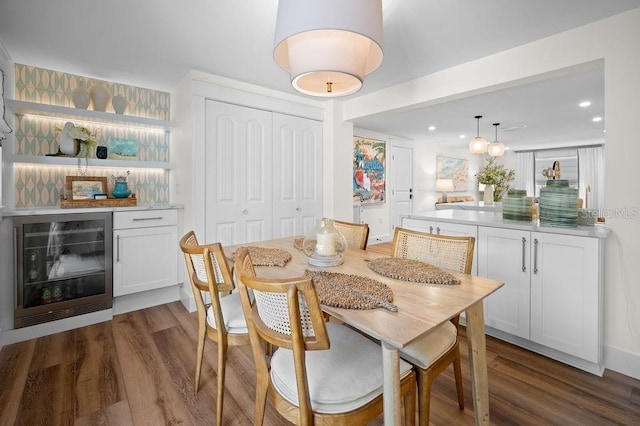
[(238, 174), (144, 259), (503, 255), (564, 294), (297, 174), (459, 230), (419, 225)]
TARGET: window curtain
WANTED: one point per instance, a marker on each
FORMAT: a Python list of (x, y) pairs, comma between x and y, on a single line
[(591, 166), (525, 178)]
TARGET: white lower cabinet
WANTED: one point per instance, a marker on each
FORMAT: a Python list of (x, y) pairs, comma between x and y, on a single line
[(145, 255), (552, 289), (446, 228)]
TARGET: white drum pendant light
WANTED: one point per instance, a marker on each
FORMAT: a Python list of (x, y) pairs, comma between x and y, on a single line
[(328, 46), (496, 148), (478, 145)]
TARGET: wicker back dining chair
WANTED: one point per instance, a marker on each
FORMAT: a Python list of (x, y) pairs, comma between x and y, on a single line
[(356, 234), (209, 272), (433, 353), (321, 372)]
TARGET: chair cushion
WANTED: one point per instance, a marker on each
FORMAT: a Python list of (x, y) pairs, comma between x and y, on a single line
[(427, 349), (342, 378), (232, 314)]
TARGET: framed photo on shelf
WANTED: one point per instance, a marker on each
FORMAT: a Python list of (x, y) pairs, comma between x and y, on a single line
[(85, 187)]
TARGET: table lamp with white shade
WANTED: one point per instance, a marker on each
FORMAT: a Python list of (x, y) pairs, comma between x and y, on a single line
[(444, 186)]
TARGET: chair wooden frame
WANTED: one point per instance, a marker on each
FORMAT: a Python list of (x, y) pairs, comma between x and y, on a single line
[(356, 234), (296, 288), (216, 283), (447, 252)]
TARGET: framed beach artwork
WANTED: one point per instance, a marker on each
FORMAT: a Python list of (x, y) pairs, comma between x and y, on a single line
[(369, 170), (456, 169), (85, 187)]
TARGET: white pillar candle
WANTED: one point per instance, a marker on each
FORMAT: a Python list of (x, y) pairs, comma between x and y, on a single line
[(325, 245)]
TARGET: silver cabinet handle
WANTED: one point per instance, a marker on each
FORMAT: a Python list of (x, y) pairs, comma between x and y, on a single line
[(524, 248), (245, 211), (535, 255), (118, 248), (137, 219)]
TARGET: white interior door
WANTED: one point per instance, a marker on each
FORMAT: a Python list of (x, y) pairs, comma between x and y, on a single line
[(297, 174), (402, 184), (238, 176)]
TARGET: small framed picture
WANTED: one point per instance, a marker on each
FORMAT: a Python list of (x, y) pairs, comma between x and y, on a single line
[(85, 187)]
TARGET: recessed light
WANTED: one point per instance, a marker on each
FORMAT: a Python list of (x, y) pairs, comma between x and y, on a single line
[(596, 119), (432, 128), (463, 137), (584, 104)]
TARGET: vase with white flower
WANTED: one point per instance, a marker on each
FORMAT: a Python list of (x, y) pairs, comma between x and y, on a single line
[(120, 188), (76, 141)]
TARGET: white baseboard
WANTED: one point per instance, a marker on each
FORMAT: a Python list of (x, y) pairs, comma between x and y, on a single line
[(186, 297), (622, 362), (145, 299)]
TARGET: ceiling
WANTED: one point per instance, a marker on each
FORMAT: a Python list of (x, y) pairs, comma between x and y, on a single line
[(153, 43)]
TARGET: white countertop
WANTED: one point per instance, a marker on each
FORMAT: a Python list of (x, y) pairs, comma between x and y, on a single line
[(58, 210), (494, 219), (470, 205)]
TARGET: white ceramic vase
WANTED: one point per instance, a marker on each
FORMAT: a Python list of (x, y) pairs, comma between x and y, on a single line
[(488, 194), (80, 96), (100, 96), (68, 145), (119, 103)]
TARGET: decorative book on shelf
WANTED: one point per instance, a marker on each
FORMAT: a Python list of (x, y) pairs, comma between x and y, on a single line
[(106, 202)]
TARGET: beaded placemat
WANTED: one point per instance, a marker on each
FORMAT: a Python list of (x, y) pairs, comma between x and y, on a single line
[(297, 242), (351, 291), (411, 270), (263, 256)]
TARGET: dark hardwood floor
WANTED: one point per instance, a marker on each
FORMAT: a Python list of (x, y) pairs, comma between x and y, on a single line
[(138, 369)]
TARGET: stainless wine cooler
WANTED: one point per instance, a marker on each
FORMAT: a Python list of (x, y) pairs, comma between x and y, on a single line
[(63, 266)]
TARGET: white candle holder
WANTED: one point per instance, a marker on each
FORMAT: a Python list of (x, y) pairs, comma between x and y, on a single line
[(325, 246)]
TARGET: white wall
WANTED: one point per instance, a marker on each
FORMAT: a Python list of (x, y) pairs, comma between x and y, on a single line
[(616, 41)]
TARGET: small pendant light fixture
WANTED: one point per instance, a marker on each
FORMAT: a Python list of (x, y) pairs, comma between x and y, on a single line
[(478, 145), (496, 148), (328, 46)]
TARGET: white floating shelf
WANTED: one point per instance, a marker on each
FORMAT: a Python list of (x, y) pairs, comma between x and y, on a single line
[(93, 162), (56, 111)]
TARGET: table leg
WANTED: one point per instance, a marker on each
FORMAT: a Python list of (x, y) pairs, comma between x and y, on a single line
[(391, 385), (478, 360)]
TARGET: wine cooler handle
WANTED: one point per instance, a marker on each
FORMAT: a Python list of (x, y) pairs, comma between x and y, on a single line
[(18, 293), (118, 249), (524, 245)]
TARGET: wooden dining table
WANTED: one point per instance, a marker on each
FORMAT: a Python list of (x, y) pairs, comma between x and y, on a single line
[(421, 308)]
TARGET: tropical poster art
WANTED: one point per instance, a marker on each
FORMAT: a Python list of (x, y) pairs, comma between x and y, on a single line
[(369, 180)]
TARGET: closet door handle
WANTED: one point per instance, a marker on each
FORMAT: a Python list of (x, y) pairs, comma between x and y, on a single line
[(245, 211), (118, 249), (524, 249), (298, 209), (535, 255)]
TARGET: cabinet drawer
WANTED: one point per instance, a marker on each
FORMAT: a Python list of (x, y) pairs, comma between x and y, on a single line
[(144, 219)]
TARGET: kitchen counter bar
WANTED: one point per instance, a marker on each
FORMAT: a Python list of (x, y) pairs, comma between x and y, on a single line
[(495, 220)]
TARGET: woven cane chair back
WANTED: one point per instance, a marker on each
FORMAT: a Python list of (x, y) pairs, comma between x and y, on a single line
[(447, 252), (356, 234)]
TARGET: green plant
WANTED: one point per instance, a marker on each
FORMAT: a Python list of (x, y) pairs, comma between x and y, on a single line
[(497, 175), (85, 140)]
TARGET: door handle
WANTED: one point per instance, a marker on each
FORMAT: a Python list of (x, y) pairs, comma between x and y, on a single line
[(535, 255), (524, 248), (245, 211), (431, 229), (298, 209), (118, 249), (438, 230)]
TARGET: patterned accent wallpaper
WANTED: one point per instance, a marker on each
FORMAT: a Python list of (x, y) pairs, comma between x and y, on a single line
[(40, 185)]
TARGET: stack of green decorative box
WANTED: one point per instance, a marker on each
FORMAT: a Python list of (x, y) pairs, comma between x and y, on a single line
[(558, 204), (517, 206)]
